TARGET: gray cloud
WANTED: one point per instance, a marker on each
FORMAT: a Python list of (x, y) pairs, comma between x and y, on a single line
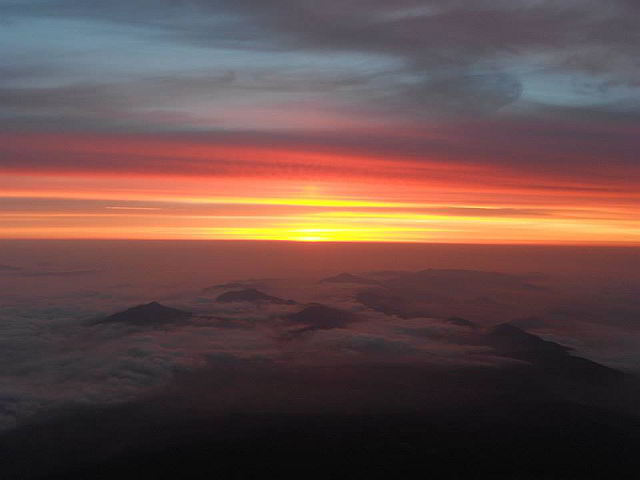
[(462, 93), (461, 51), (460, 76)]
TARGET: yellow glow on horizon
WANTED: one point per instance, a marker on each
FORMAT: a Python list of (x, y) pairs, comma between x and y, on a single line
[(309, 210), (330, 225)]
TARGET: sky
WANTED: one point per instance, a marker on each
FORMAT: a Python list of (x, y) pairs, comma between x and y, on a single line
[(492, 121)]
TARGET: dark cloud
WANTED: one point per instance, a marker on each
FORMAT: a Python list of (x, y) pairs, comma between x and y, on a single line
[(463, 53), (436, 30), (459, 77), (466, 93), (158, 102)]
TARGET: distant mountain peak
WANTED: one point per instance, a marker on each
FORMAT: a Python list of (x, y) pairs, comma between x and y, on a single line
[(318, 317), (148, 314), (348, 278), (226, 286), (251, 295), (461, 322), (508, 329)]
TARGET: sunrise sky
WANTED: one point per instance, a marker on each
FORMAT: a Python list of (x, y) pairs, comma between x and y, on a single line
[(485, 121)]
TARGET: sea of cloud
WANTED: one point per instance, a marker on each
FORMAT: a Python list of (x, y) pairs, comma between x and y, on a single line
[(54, 352)]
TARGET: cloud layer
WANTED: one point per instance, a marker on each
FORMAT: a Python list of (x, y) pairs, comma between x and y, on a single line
[(56, 354)]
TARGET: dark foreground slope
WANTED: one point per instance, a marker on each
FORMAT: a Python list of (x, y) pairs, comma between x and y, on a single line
[(358, 422), (548, 441)]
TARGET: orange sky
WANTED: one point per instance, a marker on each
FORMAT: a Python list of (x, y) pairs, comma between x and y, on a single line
[(141, 188)]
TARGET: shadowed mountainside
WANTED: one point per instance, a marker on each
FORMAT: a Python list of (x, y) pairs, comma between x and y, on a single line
[(321, 317), (486, 425), (253, 296), (149, 314), (550, 357), (483, 296)]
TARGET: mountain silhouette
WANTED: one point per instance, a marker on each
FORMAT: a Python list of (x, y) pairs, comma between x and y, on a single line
[(549, 357), (455, 279), (149, 314), (320, 317), (226, 286), (444, 293), (514, 342), (461, 322), (251, 295), (348, 278)]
